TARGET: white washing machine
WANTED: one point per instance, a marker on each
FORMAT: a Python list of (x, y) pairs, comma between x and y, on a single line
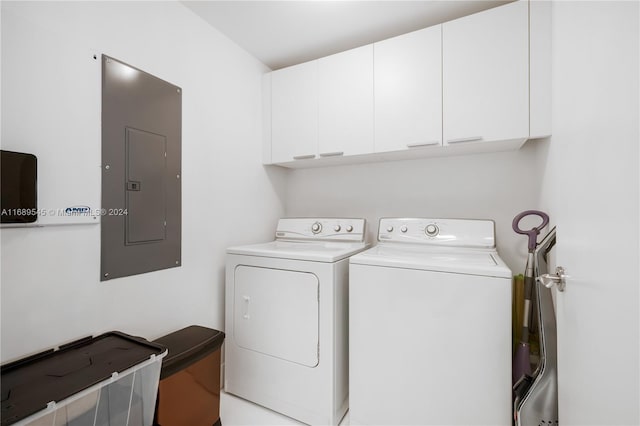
[(430, 326), (286, 319)]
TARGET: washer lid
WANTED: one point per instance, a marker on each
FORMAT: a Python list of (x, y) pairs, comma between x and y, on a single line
[(458, 261), (316, 251)]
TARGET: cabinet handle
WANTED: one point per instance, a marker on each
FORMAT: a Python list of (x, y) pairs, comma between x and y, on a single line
[(304, 157), (332, 154), (418, 145), (463, 140)]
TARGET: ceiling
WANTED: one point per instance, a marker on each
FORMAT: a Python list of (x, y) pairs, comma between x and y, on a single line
[(284, 33)]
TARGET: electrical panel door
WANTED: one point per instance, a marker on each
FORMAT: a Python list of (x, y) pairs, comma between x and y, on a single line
[(141, 189)]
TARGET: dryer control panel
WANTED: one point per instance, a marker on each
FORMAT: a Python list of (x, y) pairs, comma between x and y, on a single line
[(330, 229), (441, 232)]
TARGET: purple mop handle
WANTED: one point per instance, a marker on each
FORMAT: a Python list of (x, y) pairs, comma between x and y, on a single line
[(531, 233)]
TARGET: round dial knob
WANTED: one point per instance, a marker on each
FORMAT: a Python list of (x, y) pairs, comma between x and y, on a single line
[(349, 228), (431, 230), (389, 228), (337, 228), (404, 229), (316, 227)]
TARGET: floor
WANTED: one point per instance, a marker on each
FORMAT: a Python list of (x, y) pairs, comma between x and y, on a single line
[(236, 411)]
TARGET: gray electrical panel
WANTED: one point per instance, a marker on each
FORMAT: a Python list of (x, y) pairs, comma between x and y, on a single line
[(141, 157)]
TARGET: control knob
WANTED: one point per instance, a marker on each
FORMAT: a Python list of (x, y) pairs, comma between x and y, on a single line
[(389, 228), (431, 230), (337, 228), (349, 228), (316, 228), (404, 228)]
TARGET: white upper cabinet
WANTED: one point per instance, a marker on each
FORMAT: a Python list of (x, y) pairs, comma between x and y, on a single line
[(480, 83), (345, 107), (294, 113), (486, 75), (539, 69), (408, 91)]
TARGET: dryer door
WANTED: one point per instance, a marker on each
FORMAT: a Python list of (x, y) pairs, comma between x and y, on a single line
[(276, 313)]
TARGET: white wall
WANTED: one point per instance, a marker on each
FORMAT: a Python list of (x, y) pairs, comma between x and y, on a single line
[(50, 286), (487, 186)]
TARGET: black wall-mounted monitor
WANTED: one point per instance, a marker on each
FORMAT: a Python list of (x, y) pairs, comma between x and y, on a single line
[(18, 187)]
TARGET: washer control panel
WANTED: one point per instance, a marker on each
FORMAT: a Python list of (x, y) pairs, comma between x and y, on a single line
[(331, 229), (443, 232)]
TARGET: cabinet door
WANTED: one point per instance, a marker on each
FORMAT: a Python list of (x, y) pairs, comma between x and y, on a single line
[(346, 103), (294, 112), (485, 75), (408, 90)]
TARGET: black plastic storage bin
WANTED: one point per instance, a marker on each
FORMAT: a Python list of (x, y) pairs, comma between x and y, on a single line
[(105, 380), (189, 389)]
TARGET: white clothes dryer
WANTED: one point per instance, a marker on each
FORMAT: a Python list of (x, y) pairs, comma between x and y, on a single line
[(430, 326), (287, 316)]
